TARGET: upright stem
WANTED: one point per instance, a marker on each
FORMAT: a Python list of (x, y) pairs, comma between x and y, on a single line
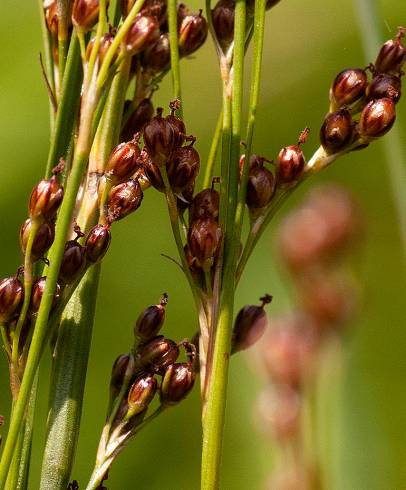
[(174, 49), (211, 160)]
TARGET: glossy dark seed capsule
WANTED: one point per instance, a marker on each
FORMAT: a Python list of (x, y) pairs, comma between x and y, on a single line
[(348, 87), (204, 240), (105, 42), (153, 8), (260, 187), (73, 262), (124, 199), (192, 33), (159, 138), (177, 124), (97, 243), (118, 373), (291, 161), (250, 325), (45, 199), (11, 298), (157, 56), (43, 238), (383, 86), (152, 172), (85, 14), (336, 131), (377, 118), (123, 162), (143, 33), (141, 394), (150, 321), (205, 204), (183, 167), (223, 21), (392, 55), (157, 354), (38, 289), (177, 382), (142, 114)]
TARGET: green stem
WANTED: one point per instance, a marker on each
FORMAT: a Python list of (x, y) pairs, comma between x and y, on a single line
[(211, 160), (174, 49), (69, 375), (63, 13)]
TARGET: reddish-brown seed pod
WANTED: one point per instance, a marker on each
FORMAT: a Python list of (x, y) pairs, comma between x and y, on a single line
[(223, 21), (85, 14), (377, 118), (51, 19), (152, 172), (177, 383), (73, 262), (290, 163), (159, 138), (157, 56), (124, 199), (143, 33), (204, 240), (348, 87), (38, 289), (177, 124), (392, 55), (45, 199), (183, 167), (105, 42), (192, 33), (260, 187), (250, 324), (123, 162), (150, 321), (141, 394), (383, 86), (11, 298), (337, 131), (43, 238), (97, 243), (117, 374), (157, 354), (205, 204), (142, 114), (154, 8)]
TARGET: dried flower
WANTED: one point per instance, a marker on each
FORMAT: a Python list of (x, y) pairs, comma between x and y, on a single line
[(177, 382), (348, 87), (192, 33), (377, 118), (157, 354), (124, 199), (144, 32), (44, 238), (150, 321), (38, 289), (384, 85), (11, 298), (97, 242), (336, 131), (45, 199), (204, 240), (123, 162), (392, 55)]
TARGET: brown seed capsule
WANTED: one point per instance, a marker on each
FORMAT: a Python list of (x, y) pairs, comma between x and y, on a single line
[(43, 238), (336, 131), (205, 204), (392, 55), (348, 87), (141, 394), (123, 162), (117, 374), (260, 187), (154, 8), (157, 354), (192, 33), (85, 14), (150, 321), (159, 138), (177, 382), (223, 22), (73, 262), (105, 42), (383, 86), (142, 114), (183, 167), (291, 161), (97, 243), (11, 298), (51, 19), (177, 124), (152, 172), (124, 199), (157, 56), (38, 289), (377, 118), (45, 199), (250, 325), (144, 32), (204, 240)]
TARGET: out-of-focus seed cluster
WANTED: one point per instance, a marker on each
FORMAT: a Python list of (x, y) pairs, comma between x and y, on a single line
[(312, 241)]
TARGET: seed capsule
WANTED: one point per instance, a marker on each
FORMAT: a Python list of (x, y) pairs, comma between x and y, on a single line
[(392, 55), (123, 162), (157, 354), (141, 394), (204, 240), (45, 199), (38, 289), (142, 114), (159, 138), (143, 33), (348, 87), (105, 42), (291, 161), (11, 298), (97, 243), (154, 8), (223, 22), (183, 167), (177, 124), (150, 322), (377, 118), (152, 172), (192, 33), (260, 187), (43, 238), (124, 199), (73, 262), (157, 57), (250, 325), (117, 374), (85, 14), (51, 19), (177, 382), (336, 131), (383, 86), (205, 204)]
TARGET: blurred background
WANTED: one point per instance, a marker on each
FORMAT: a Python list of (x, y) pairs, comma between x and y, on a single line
[(306, 44)]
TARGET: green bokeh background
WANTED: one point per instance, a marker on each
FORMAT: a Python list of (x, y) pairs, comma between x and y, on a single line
[(306, 44)]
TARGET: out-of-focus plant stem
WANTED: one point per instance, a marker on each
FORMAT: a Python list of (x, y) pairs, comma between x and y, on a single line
[(174, 49)]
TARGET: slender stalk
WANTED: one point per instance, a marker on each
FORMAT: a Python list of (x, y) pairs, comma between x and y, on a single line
[(63, 13), (174, 49), (211, 160)]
